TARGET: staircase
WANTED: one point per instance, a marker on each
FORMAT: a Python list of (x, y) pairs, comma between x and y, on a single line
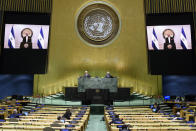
[(59, 95), (165, 108), (144, 100), (54, 99)]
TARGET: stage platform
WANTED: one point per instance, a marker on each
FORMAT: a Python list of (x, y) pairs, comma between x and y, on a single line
[(61, 101), (58, 99)]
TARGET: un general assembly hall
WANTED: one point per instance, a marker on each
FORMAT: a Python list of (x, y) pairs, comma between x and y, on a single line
[(97, 65)]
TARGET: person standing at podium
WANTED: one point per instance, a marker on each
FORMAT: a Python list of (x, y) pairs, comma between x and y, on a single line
[(108, 75), (86, 74)]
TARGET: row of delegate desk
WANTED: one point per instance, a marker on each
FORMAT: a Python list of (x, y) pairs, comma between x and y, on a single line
[(184, 113), (45, 116), (7, 108), (142, 118)]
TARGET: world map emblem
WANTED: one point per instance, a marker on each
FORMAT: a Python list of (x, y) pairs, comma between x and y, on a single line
[(98, 24)]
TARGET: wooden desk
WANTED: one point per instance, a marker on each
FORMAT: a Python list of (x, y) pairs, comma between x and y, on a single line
[(188, 116), (4, 114), (4, 105), (176, 109), (181, 102), (183, 113)]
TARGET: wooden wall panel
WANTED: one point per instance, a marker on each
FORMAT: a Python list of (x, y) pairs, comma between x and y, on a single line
[(169, 6), (42, 6)]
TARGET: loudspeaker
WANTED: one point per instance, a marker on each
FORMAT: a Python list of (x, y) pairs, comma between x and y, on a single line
[(97, 96), (71, 93), (123, 94)]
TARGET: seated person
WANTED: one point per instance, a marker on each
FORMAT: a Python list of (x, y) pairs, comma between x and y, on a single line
[(37, 106), (177, 99), (178, 114), (116, 118), (15, 114), (184, 106), (108, 75), (86, 74), (156, 108), (67, 114), (109, 107)]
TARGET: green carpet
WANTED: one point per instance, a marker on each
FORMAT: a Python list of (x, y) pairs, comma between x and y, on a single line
[(96, 124)]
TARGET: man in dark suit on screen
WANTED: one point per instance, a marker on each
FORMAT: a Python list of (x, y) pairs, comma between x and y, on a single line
[(168, 35)]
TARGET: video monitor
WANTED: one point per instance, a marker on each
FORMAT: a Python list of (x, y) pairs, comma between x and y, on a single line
[(169, 37), (166, 98), (21, 36), (169, 42), (25, 42)]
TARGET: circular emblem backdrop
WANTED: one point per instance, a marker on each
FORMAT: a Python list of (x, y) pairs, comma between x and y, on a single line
[(98, 23)]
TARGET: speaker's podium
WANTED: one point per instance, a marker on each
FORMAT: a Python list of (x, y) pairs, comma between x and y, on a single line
[(97, 90)]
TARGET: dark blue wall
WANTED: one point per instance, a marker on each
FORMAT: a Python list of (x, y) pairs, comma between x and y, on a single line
[(179, 85), (16, 85)]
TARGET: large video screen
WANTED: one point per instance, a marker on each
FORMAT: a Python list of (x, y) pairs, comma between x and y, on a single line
[(25, 43), (169, 37), (170, 44), (21, 36)]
